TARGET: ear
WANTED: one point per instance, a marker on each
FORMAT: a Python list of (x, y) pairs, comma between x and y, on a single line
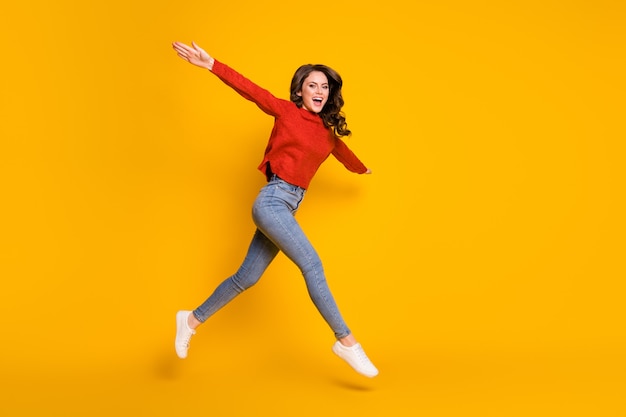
[(299, 93)]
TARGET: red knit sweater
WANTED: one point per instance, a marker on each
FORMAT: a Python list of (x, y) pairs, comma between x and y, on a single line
[(299, 141)]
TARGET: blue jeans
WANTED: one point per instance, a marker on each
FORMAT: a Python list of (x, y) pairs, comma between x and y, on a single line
[(277, 230)]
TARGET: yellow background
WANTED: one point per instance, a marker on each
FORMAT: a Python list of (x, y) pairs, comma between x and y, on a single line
[(481, 265)]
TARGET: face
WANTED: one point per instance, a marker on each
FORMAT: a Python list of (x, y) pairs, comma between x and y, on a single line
[(314, 91)]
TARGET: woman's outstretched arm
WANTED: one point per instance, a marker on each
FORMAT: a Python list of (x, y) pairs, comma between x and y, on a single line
[(246, 88)]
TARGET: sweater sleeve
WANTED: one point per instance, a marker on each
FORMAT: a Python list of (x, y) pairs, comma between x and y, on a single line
[(249, 90), (347, 157)]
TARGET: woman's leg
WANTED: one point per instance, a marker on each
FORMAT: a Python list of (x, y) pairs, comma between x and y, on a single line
[(273, 213), (260, 254)]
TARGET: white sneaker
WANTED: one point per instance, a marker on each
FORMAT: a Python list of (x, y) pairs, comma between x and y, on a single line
[(356, 358), (183, 333)]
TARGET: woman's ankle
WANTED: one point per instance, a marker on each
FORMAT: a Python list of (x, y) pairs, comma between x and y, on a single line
[(193, 322), (348, 341)]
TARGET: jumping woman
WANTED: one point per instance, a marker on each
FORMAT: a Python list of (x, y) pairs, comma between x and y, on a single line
[(307, 129)]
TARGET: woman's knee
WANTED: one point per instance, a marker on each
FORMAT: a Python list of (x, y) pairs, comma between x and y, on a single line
[(242, 281)]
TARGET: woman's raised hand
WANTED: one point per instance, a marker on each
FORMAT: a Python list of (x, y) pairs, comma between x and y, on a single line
[(194, 55)]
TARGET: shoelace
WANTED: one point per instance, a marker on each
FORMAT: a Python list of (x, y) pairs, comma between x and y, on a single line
[(362, 357), (188, 338)]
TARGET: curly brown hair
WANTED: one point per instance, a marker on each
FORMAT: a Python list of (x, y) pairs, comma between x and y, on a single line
[(331, 114)]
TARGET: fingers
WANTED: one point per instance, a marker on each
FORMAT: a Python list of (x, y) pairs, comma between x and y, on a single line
[(201, 52), (185, 57), (186, 51), (179, 46), (193, 54), (183, 50)]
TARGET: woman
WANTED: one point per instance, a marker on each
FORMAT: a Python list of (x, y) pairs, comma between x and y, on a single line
[(306, 131)]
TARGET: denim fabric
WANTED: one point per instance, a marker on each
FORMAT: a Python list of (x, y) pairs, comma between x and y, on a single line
[(277, 230)]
